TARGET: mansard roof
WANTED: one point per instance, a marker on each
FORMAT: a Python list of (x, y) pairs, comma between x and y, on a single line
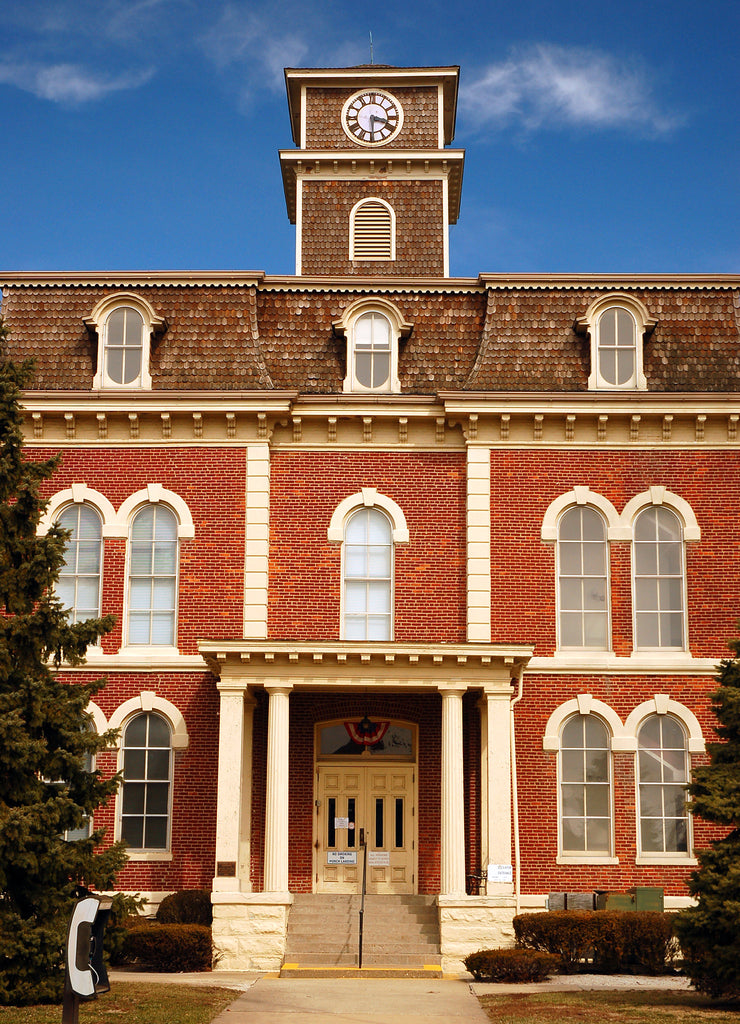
[(497, 333)]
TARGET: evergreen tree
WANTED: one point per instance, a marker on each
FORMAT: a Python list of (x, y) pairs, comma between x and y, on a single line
[(709, 932), (45, 746)]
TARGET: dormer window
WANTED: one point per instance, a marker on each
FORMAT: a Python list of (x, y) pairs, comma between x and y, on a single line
[(124, 325), (616, 325), (373, 329)]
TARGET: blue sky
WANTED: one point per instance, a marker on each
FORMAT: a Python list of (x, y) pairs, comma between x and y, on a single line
[(143, 134)]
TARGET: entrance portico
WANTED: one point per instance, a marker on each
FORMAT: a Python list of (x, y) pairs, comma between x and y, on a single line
[(251, 890)]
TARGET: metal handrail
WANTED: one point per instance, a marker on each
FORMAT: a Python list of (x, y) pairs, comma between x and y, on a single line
[(362, 901)]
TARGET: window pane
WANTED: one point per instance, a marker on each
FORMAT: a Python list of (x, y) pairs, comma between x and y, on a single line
[(597, 801), (132, 832), (381, 368), (574, 801), (571, 594), (571, 629), (625, 366), (159, 764), (159, 732), (116, 323), (595, 732), (651, 802), (574, 835), (649, 766), (135, 734), (573, 767), (673, 734), (131, 366), (378, 628), (595, 631), (156, 833), (573, 732), (133, 797), (134, 764), (596, 765), (163, 628), (597, 835), (156, 798)]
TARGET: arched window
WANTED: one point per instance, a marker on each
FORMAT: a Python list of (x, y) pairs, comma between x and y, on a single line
[(372, 234), (371, 351), (147, 783), (659, 579), (617, 347), (78, 586), (153, 567), (585, 788), (367, 576), (583, 579), (124, 323), (124, 346), (663, 775)]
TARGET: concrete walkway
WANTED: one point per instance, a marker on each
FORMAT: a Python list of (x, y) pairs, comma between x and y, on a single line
[(355, 1001)]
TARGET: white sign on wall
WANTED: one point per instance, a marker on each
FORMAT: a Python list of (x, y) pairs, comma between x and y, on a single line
[(341, 857), (341, 823), (378, 858), (500, 873)]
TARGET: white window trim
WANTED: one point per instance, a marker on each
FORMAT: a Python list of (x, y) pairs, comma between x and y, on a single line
[(79, 494), (145, 702), (644, 323), (368, 497), (558, 639), (98, 322), (344, 327), (581, 496), (640, 505), (586, 704), (574, 857), (658, 495), (352, 215), (661, 704)]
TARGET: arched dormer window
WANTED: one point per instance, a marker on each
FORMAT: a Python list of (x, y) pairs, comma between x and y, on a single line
[(373, 329), (616, 324), (372, 231), (124, 324)]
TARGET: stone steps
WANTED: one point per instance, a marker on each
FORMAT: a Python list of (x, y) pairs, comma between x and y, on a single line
[(400, 934)]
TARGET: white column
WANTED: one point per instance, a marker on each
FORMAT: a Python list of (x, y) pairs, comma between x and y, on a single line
[(233, 801), (276, 815), (453, 815), (496, 783), (479, 543)]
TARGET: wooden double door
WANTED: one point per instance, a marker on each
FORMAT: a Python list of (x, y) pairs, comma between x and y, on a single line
[(374, 802)]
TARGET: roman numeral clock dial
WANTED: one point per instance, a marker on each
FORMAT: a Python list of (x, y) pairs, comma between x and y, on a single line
[(372, 117)]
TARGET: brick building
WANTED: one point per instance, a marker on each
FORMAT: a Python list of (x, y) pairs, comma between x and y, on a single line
[(445, 562)]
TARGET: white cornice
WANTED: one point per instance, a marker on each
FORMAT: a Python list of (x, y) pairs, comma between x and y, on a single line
[(644, 281)]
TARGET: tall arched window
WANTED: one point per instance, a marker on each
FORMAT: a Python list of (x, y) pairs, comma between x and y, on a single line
[(153, 565), (659, 579), (147, 779), (78, 586), (663, 775), (583, 579), (367, 576), (585, 787)]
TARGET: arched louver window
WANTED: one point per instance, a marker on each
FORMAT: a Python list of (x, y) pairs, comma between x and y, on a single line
[(372, 231)]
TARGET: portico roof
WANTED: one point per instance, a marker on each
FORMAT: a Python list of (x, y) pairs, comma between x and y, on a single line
[(383, 665)]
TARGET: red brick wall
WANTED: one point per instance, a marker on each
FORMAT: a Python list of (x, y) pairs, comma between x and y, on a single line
[(523, 483), (212, 482), (537, 777), (193, 843), (305, 569)]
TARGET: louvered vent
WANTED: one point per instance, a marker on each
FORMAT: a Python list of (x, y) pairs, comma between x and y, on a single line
[(372, 237)]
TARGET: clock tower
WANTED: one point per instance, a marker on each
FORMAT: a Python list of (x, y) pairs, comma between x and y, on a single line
[(372, 188)]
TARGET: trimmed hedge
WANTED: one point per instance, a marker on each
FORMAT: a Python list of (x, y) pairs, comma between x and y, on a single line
[(170, 947), (510, 965), (607, 941), (190, 906)]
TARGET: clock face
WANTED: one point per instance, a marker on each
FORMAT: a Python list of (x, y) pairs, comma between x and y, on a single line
[(372, 117)]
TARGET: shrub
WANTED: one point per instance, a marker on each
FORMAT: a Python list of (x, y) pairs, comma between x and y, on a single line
[(512, 965), (567, 934), (170, 947), (607, 941), (125, 914), (190, 906)]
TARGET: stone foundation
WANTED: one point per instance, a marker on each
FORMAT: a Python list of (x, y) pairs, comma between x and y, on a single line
[(470, 923), (249, 929)]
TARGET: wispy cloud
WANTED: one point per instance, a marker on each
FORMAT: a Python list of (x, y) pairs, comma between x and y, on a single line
[(68, 83), (546, 85), (256, 42)]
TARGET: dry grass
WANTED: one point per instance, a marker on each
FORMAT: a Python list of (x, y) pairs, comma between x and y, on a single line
[(135, 1003), (608, 1008)]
